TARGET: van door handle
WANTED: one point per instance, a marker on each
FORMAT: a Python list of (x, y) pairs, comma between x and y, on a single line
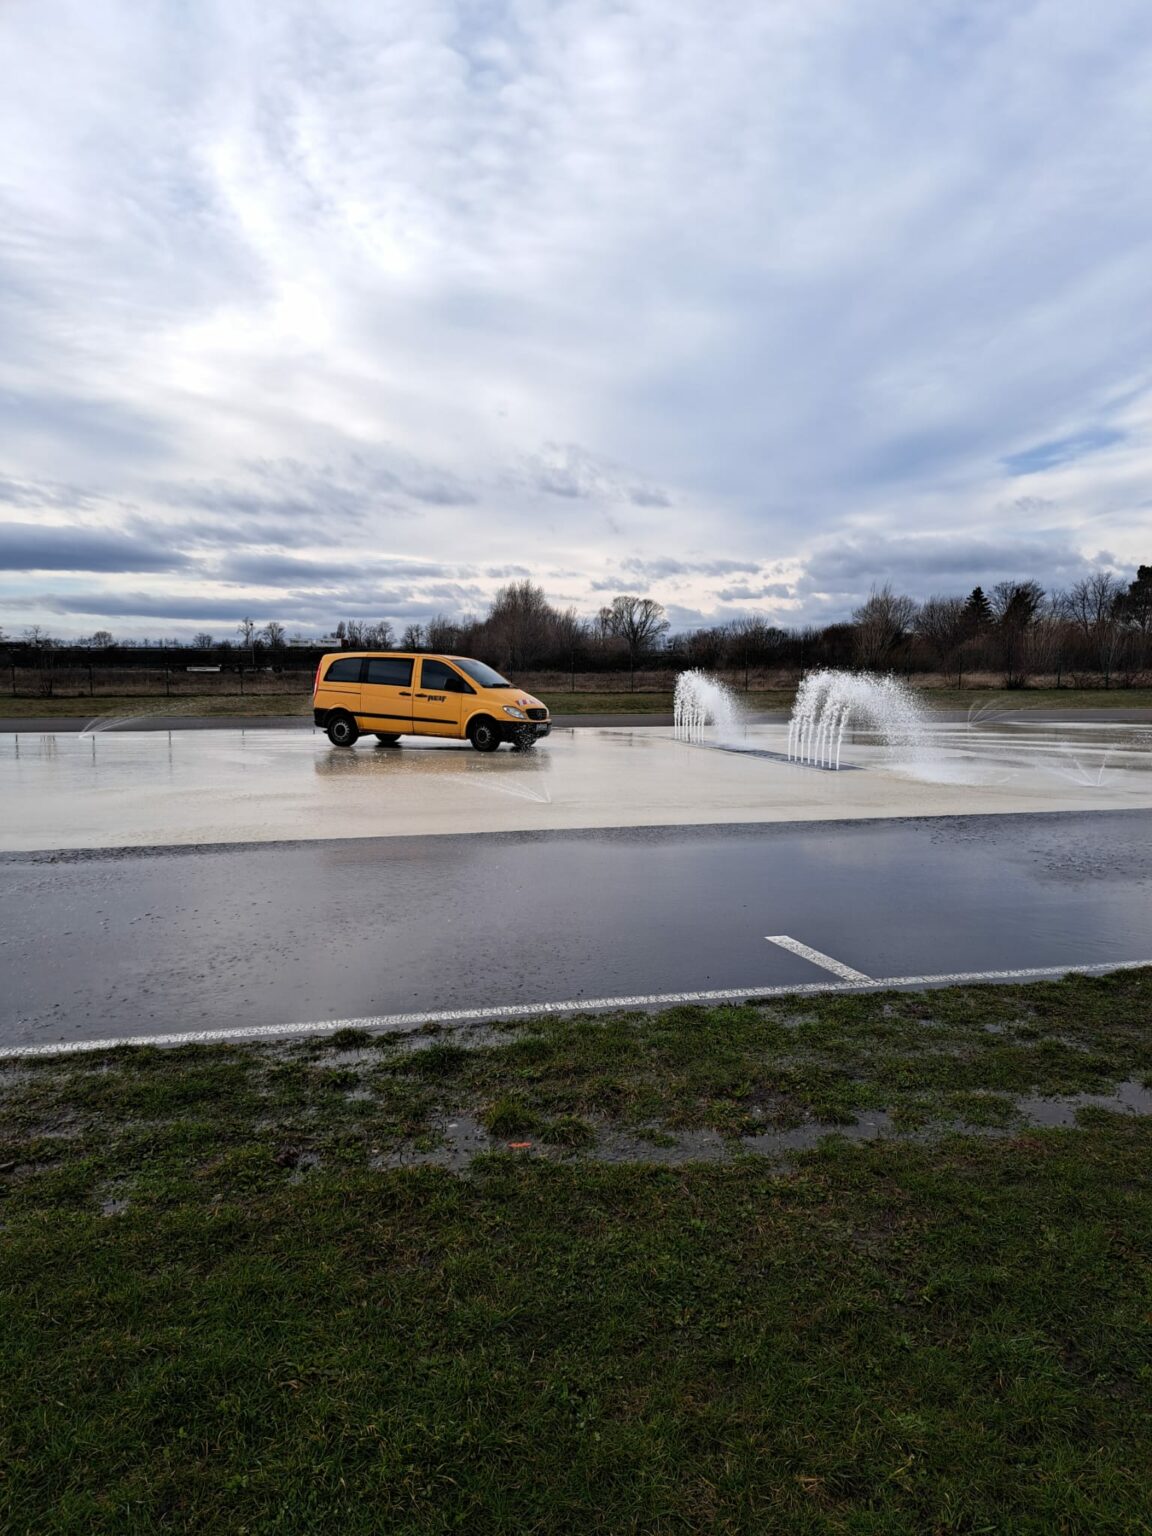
[(421, 695), (405, 693)]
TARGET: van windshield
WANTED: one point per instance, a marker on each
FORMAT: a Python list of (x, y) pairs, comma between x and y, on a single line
[(479, 673)]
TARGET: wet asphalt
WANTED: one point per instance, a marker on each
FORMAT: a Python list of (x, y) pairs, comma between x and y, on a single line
[(155, 941)]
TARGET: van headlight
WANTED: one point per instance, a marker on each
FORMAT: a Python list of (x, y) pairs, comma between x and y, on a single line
[(517, 714)]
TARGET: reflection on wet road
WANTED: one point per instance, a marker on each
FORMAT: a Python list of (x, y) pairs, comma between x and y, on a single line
[(100, 943), (137, 789)]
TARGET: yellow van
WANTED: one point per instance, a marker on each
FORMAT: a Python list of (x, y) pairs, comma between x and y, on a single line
[(392, 694)]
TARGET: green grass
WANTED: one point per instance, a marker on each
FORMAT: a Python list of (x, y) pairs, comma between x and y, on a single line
[(223, 1310)]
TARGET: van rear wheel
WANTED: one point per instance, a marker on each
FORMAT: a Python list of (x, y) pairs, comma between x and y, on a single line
[(386, 739), (343, 731), (484, 735)]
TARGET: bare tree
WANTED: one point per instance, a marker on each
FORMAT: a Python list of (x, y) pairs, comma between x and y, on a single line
[(444, 634), (273, 633), (38, 637), (1014, 602), (413, 638), (571, 632), (881, 624), (1094, 606), (202, 641), (944, 624), (638, 621), (358, 635), (1045, 637), (102, 639), (748, 642), (520, 623)]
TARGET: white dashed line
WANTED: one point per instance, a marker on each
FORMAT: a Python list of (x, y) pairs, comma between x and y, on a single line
[(806, 952), (399, 1022)]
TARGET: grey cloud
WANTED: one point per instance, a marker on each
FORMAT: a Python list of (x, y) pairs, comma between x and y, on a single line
[(39, 547), (635, 574), (44, 493), (347, 490), (837, 579), (655, 570), (723, 260), (211, 538), (144, 605), (102, 431), (292, 608), (681, 617), (567, 470), (256, 569), (746, 594)]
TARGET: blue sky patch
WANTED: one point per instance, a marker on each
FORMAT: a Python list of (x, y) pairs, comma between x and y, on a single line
[(1062, 450)]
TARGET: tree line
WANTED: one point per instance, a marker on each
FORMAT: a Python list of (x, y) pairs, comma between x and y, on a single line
[(1099, 630)]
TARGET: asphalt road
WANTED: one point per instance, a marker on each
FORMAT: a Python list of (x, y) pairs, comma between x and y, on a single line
[(156, 941)]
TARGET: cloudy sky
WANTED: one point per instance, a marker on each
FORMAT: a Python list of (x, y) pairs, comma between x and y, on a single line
[(327, 309)]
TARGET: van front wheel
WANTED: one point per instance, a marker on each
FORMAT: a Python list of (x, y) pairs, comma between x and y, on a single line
[(342, 731), (484, 735)]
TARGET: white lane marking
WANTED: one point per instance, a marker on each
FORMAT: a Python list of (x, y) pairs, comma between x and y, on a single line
[(817, 957), (398, 1022)]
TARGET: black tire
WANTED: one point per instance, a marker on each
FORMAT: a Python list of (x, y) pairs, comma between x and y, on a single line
[(387, 740), (523, 739), (485, 734), (342, 730)]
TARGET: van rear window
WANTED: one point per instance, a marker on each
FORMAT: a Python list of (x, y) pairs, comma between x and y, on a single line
[(395, 671), (345, 670)]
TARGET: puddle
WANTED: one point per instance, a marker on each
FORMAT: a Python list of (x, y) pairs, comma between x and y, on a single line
[(1130, 1098), (463, 1139), (867, 1127), (690, 1147)]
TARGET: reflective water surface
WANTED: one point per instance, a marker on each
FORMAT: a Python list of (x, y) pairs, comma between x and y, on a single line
[(138, 789)]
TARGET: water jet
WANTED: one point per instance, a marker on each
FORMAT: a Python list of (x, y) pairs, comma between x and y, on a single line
[(826, 700), (700, 701)]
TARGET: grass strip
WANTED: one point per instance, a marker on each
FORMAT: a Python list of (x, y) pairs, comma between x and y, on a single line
[(224, 1311)]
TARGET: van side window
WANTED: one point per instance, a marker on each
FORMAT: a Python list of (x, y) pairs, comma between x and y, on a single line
[(345, 670), (394, 671), (436, 677)]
